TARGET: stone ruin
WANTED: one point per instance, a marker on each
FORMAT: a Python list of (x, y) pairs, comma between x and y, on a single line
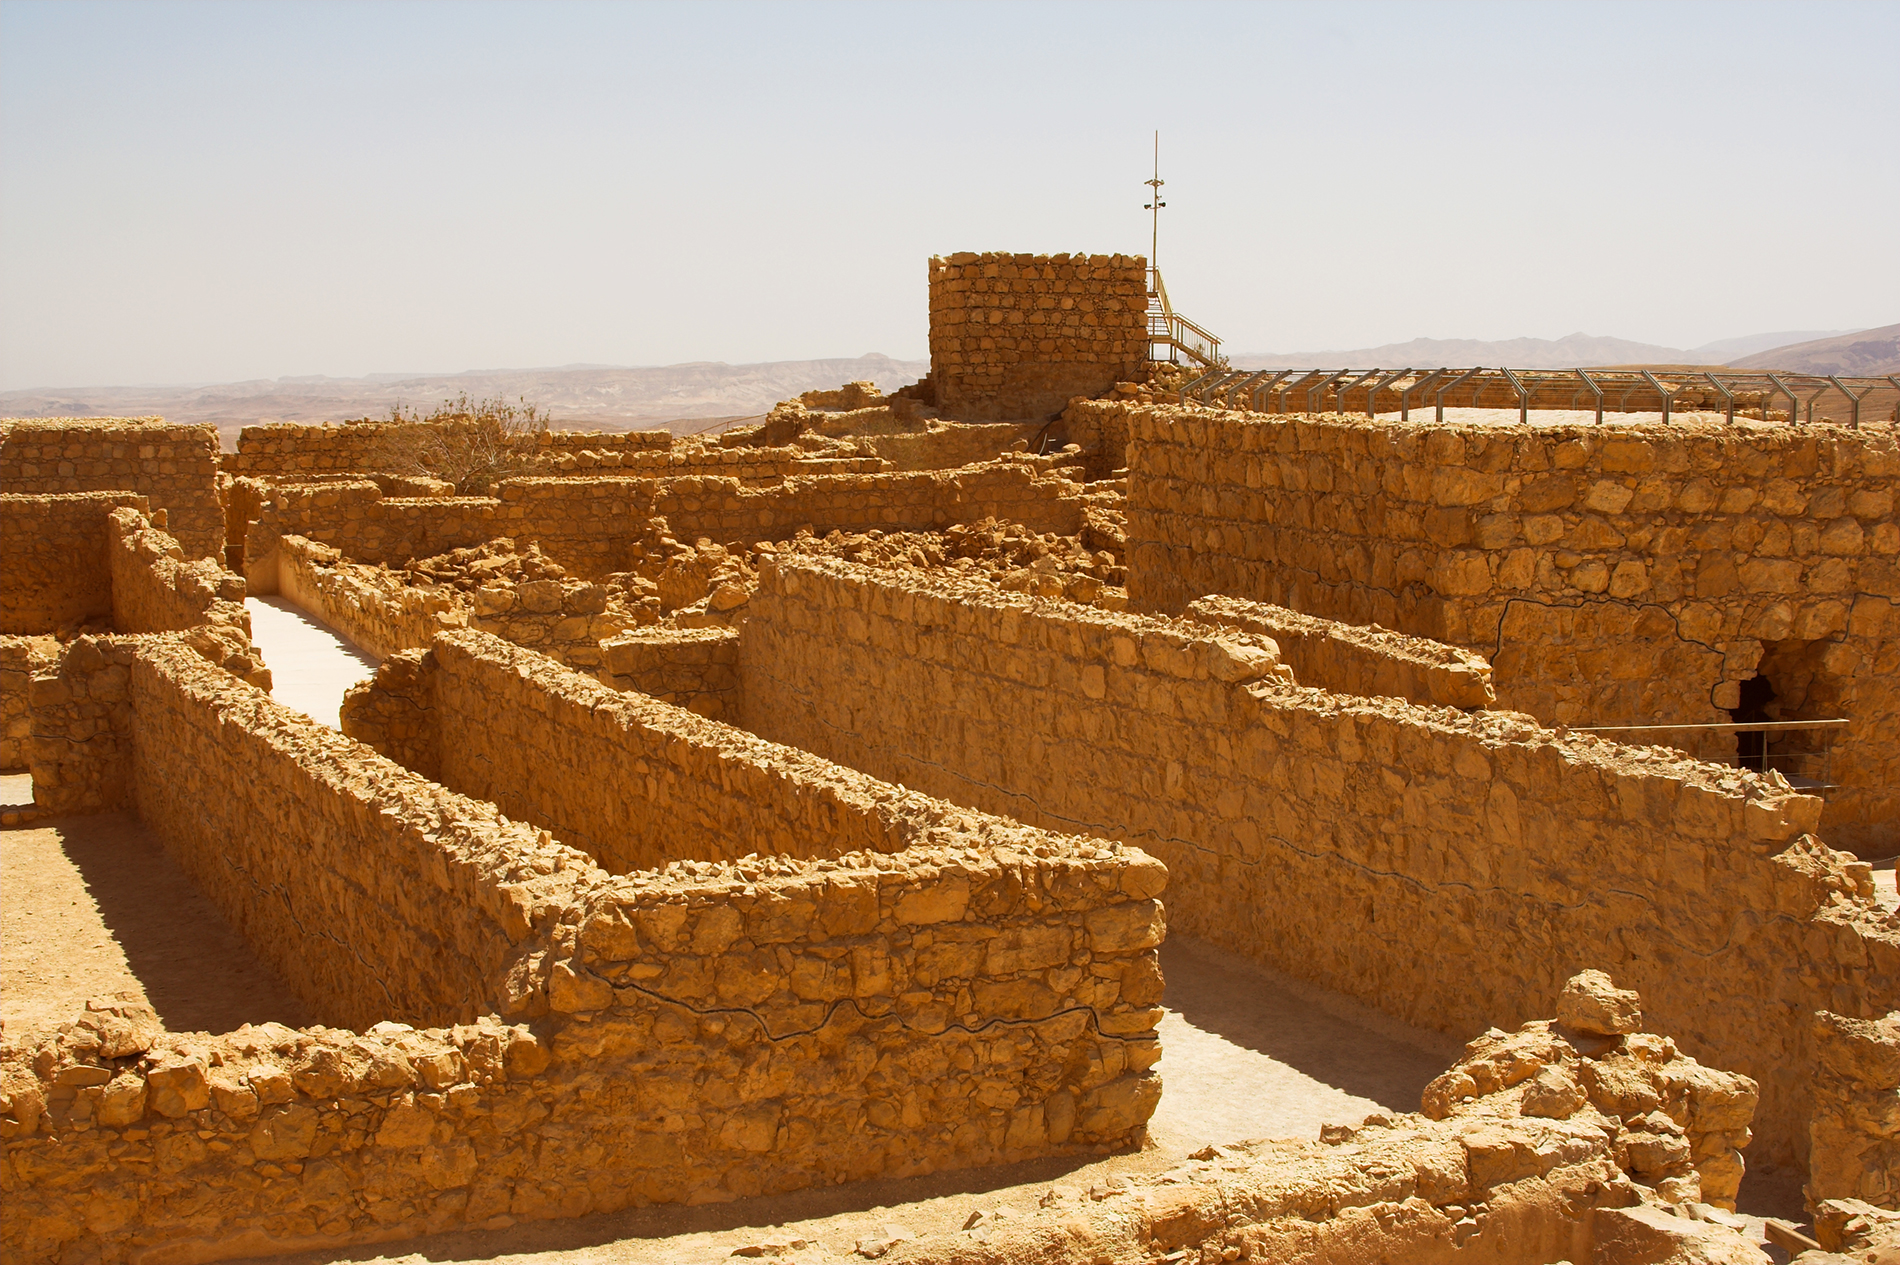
[(807, 805)]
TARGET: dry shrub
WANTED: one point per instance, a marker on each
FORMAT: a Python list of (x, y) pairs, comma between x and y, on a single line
[(473, 444)]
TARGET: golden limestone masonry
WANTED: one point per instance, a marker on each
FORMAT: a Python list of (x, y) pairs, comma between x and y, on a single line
[(1122, 808), (1019, 336)]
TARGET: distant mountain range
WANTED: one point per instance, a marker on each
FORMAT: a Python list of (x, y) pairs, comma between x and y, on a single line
[(1862, 354), (703, 395), (1582, 351), (681, 398)]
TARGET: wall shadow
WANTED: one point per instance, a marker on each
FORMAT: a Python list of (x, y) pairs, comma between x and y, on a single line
[(1332, 1039), (197, 972)]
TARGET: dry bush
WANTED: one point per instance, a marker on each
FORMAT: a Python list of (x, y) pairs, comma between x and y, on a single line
[(473, 444)]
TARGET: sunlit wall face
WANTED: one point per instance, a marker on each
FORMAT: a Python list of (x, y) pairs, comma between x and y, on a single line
[(218, 192)]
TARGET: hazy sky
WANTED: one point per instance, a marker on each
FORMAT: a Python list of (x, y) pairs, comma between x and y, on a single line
[(224, 191)]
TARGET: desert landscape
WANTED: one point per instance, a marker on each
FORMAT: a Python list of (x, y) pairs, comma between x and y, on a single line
[(685, 399), (1073, 800), (700, 631)]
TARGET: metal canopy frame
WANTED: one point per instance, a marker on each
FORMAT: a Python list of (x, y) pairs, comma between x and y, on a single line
[(1735, 393)]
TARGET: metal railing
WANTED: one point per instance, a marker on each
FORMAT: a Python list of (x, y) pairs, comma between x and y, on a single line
[(1172, 335), (1766, 396), (1808, 769)]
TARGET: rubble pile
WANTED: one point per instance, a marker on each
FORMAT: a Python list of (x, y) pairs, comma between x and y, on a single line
[(1007, 554), (1677, 1127), (706, 584), (499, 561)]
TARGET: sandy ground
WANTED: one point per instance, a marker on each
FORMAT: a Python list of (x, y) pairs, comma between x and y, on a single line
[(94, 906), (1885, 889), (312, 665), (1249, 1053)]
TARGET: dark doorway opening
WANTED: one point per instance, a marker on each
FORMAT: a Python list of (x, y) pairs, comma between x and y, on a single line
[(1801, 700), (1757, 696)]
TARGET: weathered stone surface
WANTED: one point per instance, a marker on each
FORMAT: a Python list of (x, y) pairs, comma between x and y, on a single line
[(1603, 588), (1019, 336), (1854, 1133), (1591, 1002), (174, 468), (583, 932), (635, 1002), (1647, 1235), (1438, 864), (1347, 659), (58, 574), (1679, 1127)]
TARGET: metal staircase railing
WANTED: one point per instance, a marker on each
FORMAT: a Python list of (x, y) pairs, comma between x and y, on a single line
[(1172, 335)]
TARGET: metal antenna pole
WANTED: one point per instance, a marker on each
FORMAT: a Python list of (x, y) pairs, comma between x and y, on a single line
[(1154, 239)]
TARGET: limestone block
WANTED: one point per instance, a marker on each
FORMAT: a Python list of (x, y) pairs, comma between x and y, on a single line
[(1651, 1236)]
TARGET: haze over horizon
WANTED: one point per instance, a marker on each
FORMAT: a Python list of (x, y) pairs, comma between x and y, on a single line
[(216, 194)]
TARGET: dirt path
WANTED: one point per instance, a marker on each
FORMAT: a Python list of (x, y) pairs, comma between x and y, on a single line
[(311, 664), (94, 906)]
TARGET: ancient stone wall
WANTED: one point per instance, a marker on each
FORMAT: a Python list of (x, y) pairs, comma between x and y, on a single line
[(369, 893), (1348, 659), (21, 659), (357, 518), (994, 987), (393, 712), (383, 613), (566, 621), (174, 467), (588, 524), (1622, 575), (79, 710), (1100, 429), (155, 590), (285, 450), (287, 453), (754, 467), (371, 607), (585, 524), (53, 569), (949, 446), (1450, 868), (1019, 336), (133, 1143), (243, 504), (79, 725), (1855, 1132), (691, 1036), (1548, 1144), (917, 501), (694, 668), (441, 1129)]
